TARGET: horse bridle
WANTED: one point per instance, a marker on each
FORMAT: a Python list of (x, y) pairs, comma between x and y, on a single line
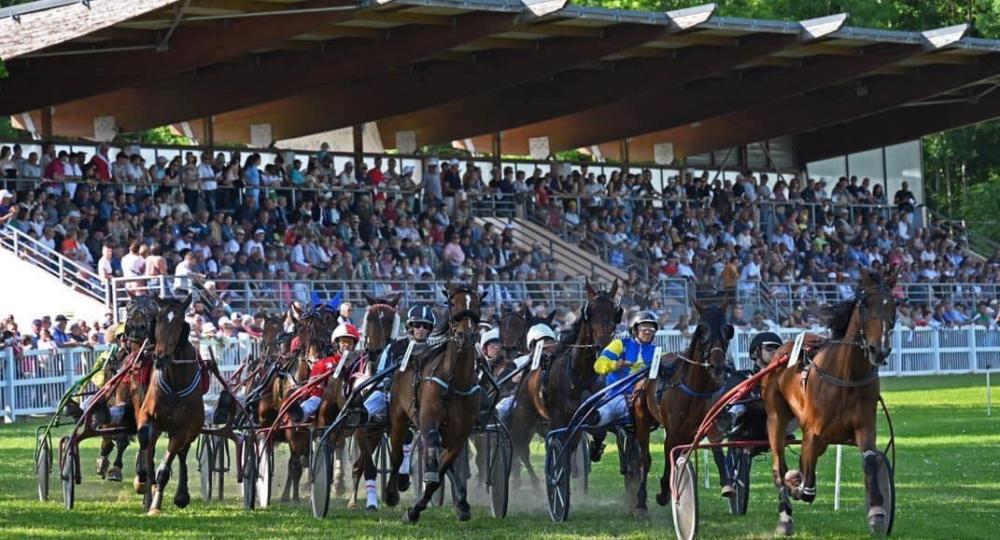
[(465, 313), (382, 308), (586, 316), (888, 323)]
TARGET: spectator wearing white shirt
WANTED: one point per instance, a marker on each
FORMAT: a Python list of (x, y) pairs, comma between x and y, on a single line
[(209, 181), (255, 244)]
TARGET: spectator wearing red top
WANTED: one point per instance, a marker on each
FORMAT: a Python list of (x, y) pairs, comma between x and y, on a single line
[(102, 163), (375, 175)]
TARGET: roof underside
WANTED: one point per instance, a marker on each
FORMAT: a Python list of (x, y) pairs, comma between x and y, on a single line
[(445, 70)]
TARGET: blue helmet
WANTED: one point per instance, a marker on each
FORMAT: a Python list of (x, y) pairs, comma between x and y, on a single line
[(420, 314)]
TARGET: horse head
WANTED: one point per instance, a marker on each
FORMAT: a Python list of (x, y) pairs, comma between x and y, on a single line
[(463, 312), (711, 340), (170, 329), (876, 307), (601, 314), (513, 326), (381, 323)]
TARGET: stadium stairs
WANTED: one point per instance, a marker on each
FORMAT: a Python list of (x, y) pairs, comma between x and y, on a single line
[(570, 260), (40, 281)]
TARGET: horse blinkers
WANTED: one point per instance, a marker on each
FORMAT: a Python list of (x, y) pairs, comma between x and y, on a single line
[(877, 353)]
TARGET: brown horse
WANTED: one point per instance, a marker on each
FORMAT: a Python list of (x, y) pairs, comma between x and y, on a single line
[(553, 393), (834, 397), (440, 396), (173, 403), (120, 400), (681, 396), (380, 326), (513, 326)]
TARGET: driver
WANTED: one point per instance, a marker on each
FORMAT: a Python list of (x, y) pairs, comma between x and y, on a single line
[(539, 333), (748, 416), (344, 339), (621, 358)]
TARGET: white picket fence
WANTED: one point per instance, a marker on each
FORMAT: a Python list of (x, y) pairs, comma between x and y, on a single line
[(32, 383)]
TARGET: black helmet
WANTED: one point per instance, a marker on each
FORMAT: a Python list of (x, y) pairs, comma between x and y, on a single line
[(761, 339), (643, 317)]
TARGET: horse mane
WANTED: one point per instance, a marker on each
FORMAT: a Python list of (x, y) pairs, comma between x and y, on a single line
[(570, 336), (838, 317)]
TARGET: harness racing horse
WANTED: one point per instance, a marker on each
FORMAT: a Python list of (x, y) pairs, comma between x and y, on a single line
[(379, 327), (834, 398), (440, 396), (554, 392), (681, 396), (173, 403)]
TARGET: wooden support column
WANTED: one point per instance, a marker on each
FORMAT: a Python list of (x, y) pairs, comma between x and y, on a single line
[(46, 126), (625, 156), (495, 151), (208, 134), (359, 146)]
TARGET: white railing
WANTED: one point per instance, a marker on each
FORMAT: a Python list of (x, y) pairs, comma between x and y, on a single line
[(79, 277), (31, 383)]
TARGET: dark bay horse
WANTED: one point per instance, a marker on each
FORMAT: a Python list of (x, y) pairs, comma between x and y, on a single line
[(380, 326), (439, 394), (680, 400), (552, 393), (173, 403), (834, 397)]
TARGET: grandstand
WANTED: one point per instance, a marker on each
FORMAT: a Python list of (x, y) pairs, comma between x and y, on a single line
[(768, 161)]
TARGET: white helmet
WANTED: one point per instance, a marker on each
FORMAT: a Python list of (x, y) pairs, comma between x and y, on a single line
[(493, 334), (346, 330), (537, 332)]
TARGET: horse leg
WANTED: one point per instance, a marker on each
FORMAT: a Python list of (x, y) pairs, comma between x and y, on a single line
[(777, 421), (432, 473), (669, 442), (115, 473), (339, 458), (460, 494), (812, 449), (144, 461), (107, 445), (399, 432), (367, 463), (183, 497), (872, 461), (642, 430), (162, 476)]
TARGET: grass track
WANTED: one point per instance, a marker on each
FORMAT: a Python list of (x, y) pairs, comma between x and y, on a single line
[(947, 481)]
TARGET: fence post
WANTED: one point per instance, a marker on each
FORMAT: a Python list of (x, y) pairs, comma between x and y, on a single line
[(935, 346), (974, 368), (10, 408), (69, 370)]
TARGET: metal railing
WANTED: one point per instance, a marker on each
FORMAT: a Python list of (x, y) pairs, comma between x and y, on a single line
[(78, 277), (252, 296), (32, 381)]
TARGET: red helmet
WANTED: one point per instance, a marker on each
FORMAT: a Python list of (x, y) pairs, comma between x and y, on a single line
[(346, 330)]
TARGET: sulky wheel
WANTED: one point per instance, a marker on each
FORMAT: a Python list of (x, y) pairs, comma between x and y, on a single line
[(501, 451), (43, 468), (887, 486), (738, 462), (265, 470), (205, 460), (248, 453), (557, 473), (68, 476), (322, 474), (684, 499)]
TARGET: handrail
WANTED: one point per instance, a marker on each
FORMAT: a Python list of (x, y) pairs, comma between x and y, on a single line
[(69, 272)]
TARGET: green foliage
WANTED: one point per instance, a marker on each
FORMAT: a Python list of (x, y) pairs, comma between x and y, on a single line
[(981, 208), (160, 135)]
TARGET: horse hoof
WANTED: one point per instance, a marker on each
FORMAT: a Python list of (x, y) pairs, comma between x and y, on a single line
[(352, 505), (114, 474), (139, 486), (463, 514), (785, 528), (102, 467), (181, 500), (391, 498), (403, 482), (372, 508), (728, 491), (877, 522), (153, 512), (338, 488), (640, 513), (409, 517), (662, 499)]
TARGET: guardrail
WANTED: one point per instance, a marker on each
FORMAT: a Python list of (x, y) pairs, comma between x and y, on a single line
[(251, 296), (31, 382), (77, 276)]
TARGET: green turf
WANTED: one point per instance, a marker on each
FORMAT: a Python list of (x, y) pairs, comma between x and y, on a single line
[(948, 486)]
